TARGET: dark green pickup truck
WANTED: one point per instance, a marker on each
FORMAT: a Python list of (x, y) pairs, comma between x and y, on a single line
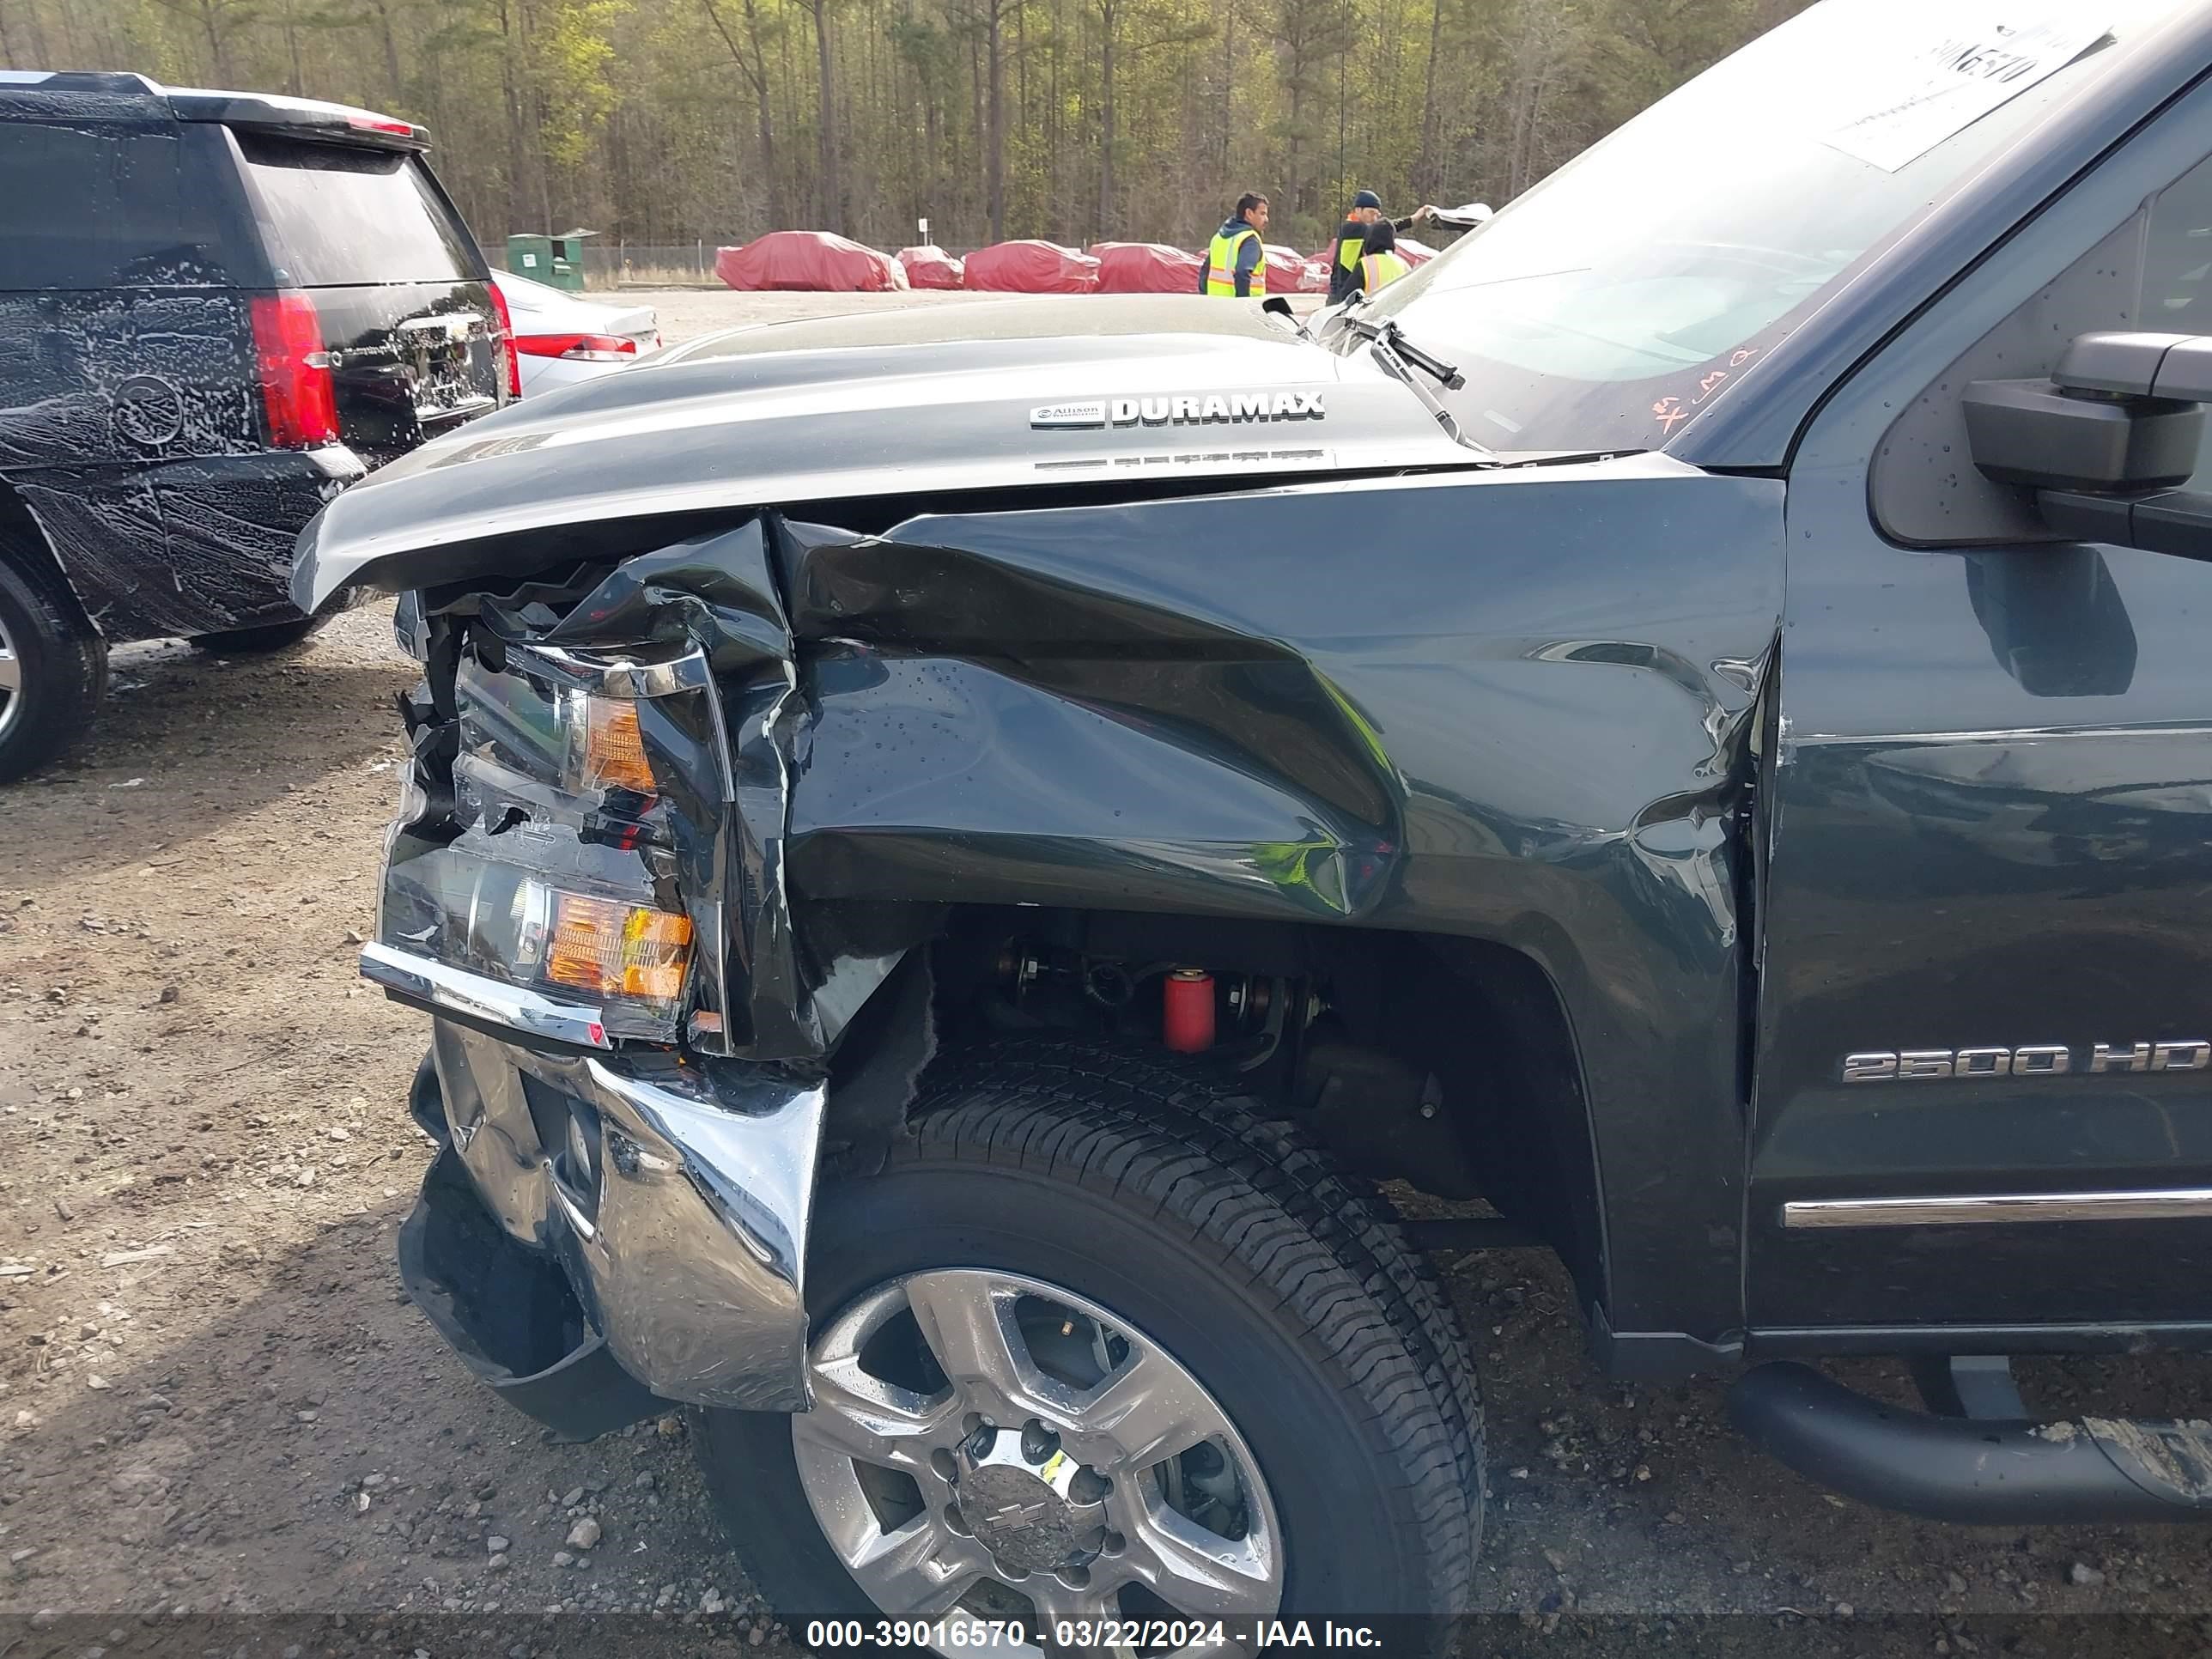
[(964, 865)]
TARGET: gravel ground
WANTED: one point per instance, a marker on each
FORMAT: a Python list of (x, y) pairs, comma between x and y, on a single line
[(214, 1396)]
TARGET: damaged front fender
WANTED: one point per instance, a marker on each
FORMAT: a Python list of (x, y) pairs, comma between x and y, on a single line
[(1519, 707)]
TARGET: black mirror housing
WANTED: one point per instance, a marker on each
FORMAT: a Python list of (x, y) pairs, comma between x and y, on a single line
[(2047, 436), (2104, 442)]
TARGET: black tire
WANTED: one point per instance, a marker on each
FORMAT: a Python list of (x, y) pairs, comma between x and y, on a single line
[(61, 665), (1270, 1275), (261, 641)]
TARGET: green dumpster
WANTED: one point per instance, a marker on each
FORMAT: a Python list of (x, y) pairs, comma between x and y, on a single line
[(557, 261)]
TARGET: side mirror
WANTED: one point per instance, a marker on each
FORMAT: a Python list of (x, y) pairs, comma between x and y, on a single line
[(1473, 216), (2105, 442), (1276, 305)]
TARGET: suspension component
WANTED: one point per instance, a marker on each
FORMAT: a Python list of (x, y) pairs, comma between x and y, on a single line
[(1187, 1011)]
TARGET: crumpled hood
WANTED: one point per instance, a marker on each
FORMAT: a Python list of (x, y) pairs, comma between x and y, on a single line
[(1024, 394)]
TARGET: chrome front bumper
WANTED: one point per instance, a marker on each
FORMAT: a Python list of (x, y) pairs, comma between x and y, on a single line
[(676, 1198)]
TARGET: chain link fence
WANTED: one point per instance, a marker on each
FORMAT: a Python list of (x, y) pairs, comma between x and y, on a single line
[(634, 265), (658, 264), (649, 264)]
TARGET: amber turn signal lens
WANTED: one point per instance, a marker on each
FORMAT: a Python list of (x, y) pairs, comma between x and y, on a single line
[(613, 949), (614, 751)]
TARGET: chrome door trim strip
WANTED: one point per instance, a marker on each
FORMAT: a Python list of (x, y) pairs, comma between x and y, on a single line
[(2172, 1204)]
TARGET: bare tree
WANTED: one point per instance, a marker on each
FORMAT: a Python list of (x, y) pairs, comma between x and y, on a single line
[(752, 64), (214, 19), (829, 198), (1537, 51), (988, 19)]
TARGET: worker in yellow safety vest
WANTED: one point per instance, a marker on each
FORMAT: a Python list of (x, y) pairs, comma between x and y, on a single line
[(1352, 240), (1380, 262), (1237, 260)]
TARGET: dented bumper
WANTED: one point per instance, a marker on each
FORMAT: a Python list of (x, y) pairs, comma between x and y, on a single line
[(600, 1234)]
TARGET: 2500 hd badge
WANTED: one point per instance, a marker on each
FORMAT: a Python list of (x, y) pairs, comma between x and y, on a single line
[(2036, 1059)]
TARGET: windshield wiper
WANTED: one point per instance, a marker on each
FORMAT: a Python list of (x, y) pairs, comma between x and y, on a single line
[(1388, 335), (1400, 357)]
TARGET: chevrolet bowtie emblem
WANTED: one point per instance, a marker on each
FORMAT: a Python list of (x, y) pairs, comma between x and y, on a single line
[(1184, 409)]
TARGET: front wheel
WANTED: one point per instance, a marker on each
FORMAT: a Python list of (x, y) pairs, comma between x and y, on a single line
[(1097, 1345)]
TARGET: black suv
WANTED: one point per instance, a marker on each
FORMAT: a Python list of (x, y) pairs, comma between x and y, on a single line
[(218, 309)]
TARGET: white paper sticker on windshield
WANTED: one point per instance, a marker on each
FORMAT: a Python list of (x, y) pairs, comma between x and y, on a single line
[(1977, 65)]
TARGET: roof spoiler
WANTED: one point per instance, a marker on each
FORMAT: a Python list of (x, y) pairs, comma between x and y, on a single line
[(306, 117), (263, 111)]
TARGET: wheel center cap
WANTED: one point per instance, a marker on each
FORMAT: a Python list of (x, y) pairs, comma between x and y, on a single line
[(1017, 1517)]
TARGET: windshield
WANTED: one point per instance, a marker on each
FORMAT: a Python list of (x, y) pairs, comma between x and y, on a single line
[(1603, 309)]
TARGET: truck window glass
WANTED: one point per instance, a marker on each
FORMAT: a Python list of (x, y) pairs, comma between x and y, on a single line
[(1602, 308), (2177, 284), (117, 206), (337, 215)]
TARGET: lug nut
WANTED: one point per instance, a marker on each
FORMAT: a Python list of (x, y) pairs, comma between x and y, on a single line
[(1038, 1443)]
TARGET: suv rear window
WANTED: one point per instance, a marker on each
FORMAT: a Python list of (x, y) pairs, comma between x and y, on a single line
[(337, 215), (117, 206)]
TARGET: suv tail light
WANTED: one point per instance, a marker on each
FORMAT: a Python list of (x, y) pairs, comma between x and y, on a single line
[(577, 347), (510, 364), (296, 371)]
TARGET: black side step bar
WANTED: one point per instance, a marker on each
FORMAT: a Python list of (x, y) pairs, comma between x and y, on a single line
[(2088, 1469)]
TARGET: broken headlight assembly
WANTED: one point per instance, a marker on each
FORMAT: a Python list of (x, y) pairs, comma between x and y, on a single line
[(548, 897)]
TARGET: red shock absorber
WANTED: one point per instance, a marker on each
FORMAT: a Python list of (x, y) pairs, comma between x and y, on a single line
[(1187, 1013)]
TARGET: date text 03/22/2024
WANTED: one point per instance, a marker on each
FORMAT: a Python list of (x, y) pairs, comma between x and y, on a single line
[(1173, 1634)]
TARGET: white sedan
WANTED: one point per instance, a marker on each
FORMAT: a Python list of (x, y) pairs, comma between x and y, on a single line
[(561, 337)]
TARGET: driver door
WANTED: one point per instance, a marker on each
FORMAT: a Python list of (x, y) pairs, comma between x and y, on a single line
[(1984, 1108)]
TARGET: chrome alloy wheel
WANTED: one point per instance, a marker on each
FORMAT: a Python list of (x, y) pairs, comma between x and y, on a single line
[(979, 1441), (11, 683)]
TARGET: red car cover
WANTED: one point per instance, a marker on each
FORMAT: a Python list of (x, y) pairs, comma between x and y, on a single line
[(812, 261), (1289, 271), (1032, 267), (1145, 268), (929, 267)]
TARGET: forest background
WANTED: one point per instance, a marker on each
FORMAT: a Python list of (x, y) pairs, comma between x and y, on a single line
[(670, 121)]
